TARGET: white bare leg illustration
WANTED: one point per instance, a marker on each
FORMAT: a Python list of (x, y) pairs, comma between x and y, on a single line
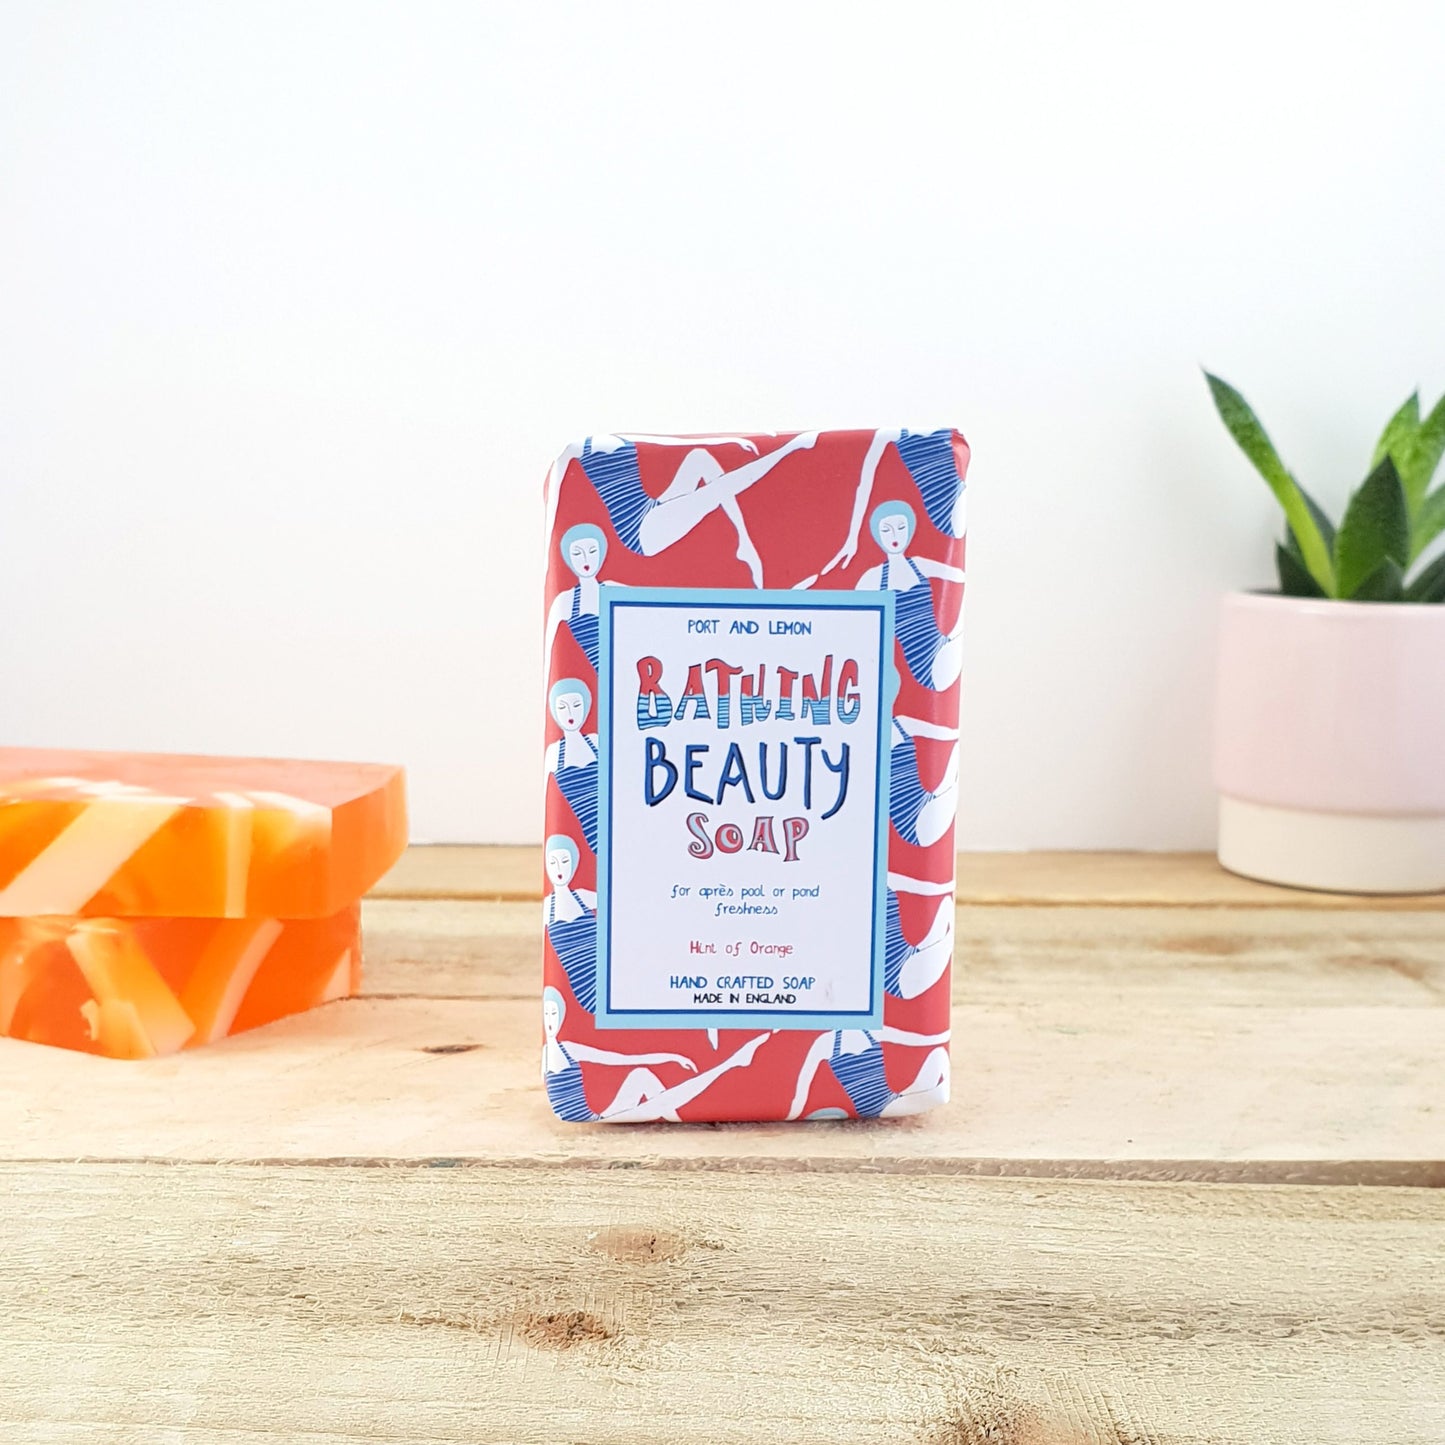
[(641, 1099), (958, 519), (700, 468), (927, 1090), (937, 814), (926, 966), (685, 503), (948, 662), (637, 1088), (558, 471)]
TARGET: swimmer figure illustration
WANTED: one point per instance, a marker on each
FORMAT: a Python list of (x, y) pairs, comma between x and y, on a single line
[(934, 657), (584, 550), (642, 1097), (647, 524), (572, 759)]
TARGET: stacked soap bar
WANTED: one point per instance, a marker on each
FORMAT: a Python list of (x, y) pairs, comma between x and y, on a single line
[(152, 903)]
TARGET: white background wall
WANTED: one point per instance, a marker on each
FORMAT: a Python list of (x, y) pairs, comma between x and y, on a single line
[(297, 300)]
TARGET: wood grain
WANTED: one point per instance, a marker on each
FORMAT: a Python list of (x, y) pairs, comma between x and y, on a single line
[(537, 1304), (1096, 880), (1172, 957), (1037, 1082), (1150, 1217), (491, 874)]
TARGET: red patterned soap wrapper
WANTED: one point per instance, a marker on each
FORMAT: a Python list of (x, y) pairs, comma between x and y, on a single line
[(753, 662)]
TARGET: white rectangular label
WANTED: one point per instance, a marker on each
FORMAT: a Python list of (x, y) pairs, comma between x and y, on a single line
[(743, 808)]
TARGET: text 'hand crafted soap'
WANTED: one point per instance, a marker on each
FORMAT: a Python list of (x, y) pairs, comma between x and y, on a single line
[(753, 659)]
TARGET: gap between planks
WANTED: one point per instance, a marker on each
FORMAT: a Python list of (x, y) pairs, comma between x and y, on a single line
[(501, 873), (1169, 958), (1315, 1173)]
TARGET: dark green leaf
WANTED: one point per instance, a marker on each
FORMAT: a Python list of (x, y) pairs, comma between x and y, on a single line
[(1429, 586), (1245, 428), (1384, 584), (1398, 431), (1376, 527), (1426, 448), (1294, 576)]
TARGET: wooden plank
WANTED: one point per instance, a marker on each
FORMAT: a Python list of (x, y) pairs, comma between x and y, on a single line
[(1102, 879), (453, 871), (540, 1304), (1298, 1092), (1170, 958), (1133, 880)]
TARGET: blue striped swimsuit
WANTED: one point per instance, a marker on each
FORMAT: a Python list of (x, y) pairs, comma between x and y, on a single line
[(583, 626), (579, 787), (914, 622), (896, 948), (861, 1076), (934, 468), (566, 1092), (907, 796), (575, 942), (618, 480)]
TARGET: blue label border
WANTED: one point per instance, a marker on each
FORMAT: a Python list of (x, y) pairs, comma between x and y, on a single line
[(770, 599)]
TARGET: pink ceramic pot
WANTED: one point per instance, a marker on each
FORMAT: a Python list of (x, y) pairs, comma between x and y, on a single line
[(1330, 743)]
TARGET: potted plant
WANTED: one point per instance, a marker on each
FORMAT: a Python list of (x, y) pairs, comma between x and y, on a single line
[(1330, 721)]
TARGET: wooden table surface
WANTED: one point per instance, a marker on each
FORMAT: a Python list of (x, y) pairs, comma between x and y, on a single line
[(1188, 1194)]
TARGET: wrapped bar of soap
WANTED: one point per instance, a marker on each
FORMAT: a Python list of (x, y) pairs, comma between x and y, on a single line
[(753, 662), (150, 903)]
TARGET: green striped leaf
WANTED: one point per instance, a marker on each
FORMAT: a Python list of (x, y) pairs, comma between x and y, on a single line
[(1429, 586), (1294, 576), (1254, 442), (1398, 431), (1375, 529), (1426, 448), (1384, 584), (1327, 527), (1429, 522)]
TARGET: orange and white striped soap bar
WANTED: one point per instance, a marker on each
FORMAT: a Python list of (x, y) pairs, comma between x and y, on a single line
[(136, 988), (152, 903), (127, 834)]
